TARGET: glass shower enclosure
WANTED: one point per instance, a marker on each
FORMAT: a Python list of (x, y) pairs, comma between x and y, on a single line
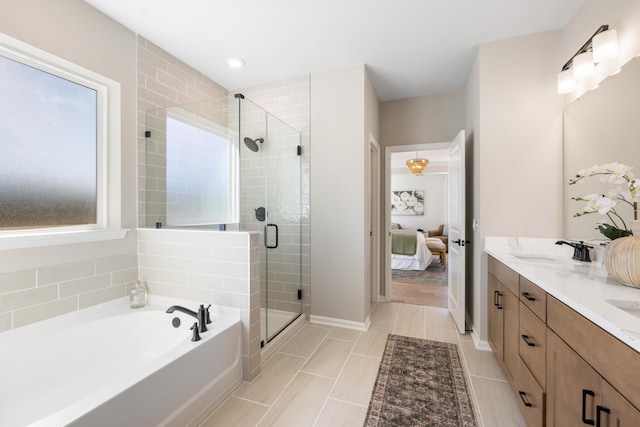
[(270, 203), (228, 164)]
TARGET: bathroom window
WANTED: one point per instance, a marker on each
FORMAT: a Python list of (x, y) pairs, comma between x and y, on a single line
[(201, 171), (56, 140)]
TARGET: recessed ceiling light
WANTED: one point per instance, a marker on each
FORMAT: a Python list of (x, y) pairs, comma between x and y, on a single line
[(235, 62)]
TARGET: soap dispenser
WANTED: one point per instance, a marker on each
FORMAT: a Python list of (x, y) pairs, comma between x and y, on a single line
[(138, 295)]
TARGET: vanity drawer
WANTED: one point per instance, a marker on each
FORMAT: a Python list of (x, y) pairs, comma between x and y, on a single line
[(530, 398), (534, 298), (532, 344), (504, 274)]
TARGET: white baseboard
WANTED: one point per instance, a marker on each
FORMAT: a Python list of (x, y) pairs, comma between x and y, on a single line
[(340, 323), (480, 344)]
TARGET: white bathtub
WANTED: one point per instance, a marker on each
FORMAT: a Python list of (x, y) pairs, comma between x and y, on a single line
[(111, 365)]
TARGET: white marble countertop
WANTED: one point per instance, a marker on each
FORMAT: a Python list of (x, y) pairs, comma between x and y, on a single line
[(582, 286)]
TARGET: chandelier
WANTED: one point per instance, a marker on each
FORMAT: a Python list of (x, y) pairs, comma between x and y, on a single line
[(417, 165)]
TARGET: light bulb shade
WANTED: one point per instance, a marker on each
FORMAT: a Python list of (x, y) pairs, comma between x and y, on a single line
[(417, 166), (583, 67), (566, 82), (605, 46)]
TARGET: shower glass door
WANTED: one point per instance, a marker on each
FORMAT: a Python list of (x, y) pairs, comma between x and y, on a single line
[(270, 203)]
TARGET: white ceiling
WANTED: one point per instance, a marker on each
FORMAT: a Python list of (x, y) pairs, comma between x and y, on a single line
[(411, 47)]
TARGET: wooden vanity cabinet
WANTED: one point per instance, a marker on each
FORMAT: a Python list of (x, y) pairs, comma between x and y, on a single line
[(573, 387), (564, 369), (615, 410), (590, 373), (578, 395), (503, 317), (532, 347)]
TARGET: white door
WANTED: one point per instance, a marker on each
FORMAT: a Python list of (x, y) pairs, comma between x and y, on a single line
[(457, 241)]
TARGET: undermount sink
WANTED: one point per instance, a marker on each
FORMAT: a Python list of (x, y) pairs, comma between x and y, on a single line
[(631, 307), (537, 257)]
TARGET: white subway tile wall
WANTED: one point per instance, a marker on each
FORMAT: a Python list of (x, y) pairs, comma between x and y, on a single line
[(207, 267), (34, 295), (289, 101), (164, 81)]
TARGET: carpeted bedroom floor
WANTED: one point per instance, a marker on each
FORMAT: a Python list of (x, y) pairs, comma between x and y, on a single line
[(427, 287)]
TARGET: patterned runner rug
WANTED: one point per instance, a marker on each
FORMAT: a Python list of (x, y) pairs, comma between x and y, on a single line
[(433, 275), (420, 383)]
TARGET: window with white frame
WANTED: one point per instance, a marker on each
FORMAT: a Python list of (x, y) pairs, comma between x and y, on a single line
[(59, 137), (201, 171)]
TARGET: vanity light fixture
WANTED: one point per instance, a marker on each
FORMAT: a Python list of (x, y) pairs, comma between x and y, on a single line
[(235, 62), (417, 165), (605, 46), (600, 48), (583, 66)]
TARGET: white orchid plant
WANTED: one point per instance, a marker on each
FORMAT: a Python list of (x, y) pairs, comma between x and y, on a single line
[(626, 191)]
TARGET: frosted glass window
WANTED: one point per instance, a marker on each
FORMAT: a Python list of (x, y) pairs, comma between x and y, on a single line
[(49, 149), (200, 175)]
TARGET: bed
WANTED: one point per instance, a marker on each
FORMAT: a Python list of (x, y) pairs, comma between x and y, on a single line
[(401, 249)]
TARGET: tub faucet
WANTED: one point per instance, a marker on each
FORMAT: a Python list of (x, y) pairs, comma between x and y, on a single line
[(196, 335), (201, 315), (580, 250)]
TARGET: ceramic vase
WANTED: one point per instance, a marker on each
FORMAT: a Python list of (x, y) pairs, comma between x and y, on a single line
[(622, 258)]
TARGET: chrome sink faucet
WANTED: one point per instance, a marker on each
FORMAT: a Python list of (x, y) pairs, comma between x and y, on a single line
[(580, 250)]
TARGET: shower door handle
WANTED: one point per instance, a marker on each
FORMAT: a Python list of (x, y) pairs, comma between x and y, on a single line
[(266, 241)]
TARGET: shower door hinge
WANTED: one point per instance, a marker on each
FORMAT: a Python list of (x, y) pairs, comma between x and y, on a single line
[(299, 294), (147, 134), (299, 150)]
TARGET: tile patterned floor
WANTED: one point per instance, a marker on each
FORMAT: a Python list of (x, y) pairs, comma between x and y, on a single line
[(324, 376)]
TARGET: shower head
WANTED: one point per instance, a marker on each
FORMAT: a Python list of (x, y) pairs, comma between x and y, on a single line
[(251, 143)]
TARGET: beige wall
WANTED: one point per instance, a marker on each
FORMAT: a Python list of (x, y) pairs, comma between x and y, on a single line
[(338, 285), (420, 120), (517, 137), (76, 32), (371, 130)]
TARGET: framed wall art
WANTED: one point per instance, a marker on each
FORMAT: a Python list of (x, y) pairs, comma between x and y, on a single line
[(408, 202)]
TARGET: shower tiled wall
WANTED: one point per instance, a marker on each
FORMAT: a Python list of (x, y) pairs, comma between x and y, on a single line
[(34, 295), (289, 101), (207, 267), (164, 81)]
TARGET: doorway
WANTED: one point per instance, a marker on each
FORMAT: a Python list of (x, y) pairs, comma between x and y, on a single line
[(418, 207)]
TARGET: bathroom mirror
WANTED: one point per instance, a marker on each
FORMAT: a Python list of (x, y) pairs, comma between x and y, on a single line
[(603, 126)]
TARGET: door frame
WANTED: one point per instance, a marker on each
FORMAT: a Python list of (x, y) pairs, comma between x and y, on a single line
[(374, 220), (387, 203)]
